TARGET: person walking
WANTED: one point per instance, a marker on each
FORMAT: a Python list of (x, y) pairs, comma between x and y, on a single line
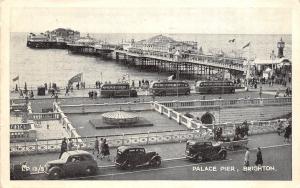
[(63, 147), (106, 152), (70, 144), (247, 158), (96, 147), (288, 132), (102, 148), (259, 159)]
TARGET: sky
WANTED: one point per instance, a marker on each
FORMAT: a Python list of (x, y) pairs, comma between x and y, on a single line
[(154, 20)]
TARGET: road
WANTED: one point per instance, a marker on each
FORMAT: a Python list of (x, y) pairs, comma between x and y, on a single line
[(175, 167), (279, 168)]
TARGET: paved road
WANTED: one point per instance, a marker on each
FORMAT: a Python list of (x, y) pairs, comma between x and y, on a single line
[(231, 169), (277, 162), (172, 155)]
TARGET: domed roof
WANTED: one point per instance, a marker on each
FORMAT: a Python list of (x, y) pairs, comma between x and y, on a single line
[(119, 115), (160, 39)]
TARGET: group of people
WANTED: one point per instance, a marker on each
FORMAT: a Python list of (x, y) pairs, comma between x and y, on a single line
[(288, 92), (141, 83), (93, 94), (66, 146), (98, 84), (286, 130), (80, 85), (259, 158), (101, 148), (241, 131)]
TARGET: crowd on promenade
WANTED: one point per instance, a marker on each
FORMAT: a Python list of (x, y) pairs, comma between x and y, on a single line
[(101, 147)]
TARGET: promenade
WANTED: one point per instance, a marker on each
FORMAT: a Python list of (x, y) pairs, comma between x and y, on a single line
[(171, 153), (166, 151)]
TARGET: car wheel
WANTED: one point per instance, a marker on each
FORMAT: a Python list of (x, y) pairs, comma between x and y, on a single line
[(129, 166), (54, 173), (223, 155), (155, 162), (199, 158), (90, 171)]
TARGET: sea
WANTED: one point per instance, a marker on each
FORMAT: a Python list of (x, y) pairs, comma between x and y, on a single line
[(39, 66)]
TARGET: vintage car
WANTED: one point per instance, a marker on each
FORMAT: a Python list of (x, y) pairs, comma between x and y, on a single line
[(204, 150), (72, 163), (129, 157)]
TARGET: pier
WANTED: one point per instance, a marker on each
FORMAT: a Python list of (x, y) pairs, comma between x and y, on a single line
[(163, 54)]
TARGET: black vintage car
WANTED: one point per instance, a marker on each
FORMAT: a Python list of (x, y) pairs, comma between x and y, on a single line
[(72, 163), (129, 157), (204, 150)]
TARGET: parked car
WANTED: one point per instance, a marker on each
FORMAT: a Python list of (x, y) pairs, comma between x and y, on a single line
[(204, 150), (72, 163), (129, 157)]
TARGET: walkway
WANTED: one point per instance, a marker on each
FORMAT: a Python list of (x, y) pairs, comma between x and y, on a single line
[(167, 151)]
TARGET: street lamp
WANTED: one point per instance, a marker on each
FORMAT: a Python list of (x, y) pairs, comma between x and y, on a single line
[(272, 56)]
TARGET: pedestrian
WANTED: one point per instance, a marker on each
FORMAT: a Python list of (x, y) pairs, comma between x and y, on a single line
[(259, 160), (63, 147), (31, 94), (21, 93), (96, 147), (106, 152), (246, 158), (260, 91), (288, 132), (67, 91), (47, 126), (70, 144)]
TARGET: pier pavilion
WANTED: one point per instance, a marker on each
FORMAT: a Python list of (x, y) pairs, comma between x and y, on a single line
[(164, 54)]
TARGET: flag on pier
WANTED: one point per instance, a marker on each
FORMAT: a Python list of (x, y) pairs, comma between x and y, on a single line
[(76, 78), (231, 41), (248, 44), (16, 78)]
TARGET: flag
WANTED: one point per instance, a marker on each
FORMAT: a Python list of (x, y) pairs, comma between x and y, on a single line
[(231, 41), (170, 77), (248, 44), (76, 78), (16, 78)]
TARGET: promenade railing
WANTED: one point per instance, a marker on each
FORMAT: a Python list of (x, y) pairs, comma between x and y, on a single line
[(148, 138), (227, 102)]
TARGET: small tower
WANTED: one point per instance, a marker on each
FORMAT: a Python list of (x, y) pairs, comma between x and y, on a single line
[(280, 46)]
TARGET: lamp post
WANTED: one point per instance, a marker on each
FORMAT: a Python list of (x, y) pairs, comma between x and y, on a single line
[(272, 57)]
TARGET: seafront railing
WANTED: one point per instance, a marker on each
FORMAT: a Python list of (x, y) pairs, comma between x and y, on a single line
[(227, 102), (140, 106), (148, 138)]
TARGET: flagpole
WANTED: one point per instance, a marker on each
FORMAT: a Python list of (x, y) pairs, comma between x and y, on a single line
[(18, 82)]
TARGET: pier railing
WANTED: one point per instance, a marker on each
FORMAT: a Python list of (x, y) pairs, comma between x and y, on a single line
[(222, 62)]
